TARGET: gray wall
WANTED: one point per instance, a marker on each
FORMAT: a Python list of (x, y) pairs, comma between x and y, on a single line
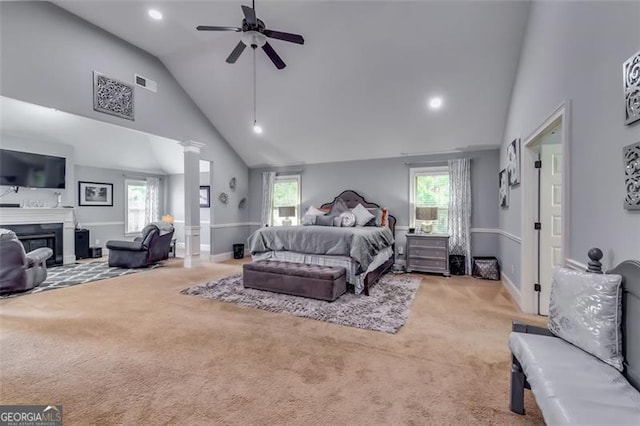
[(574, 51), (233, 219), (386, 182), (107, 223), (53, 65)]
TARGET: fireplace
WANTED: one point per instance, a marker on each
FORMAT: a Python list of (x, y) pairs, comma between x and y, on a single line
[(34, 236)]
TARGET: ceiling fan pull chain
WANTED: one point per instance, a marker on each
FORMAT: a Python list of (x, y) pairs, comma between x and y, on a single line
[(254, 86)]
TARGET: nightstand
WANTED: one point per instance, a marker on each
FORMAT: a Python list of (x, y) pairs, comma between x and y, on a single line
[(428, 253)]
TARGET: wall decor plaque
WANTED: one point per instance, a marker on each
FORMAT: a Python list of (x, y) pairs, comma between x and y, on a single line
[(112, 96), (631, 73), (632, 176)]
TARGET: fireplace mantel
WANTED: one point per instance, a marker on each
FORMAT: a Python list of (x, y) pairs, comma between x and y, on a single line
[(20, 216)]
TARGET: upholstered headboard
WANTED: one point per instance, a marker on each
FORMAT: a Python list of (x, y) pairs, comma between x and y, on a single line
[(630, 271), (352, 199)]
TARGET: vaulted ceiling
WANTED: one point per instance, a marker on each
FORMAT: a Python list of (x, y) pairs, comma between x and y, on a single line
[(357, 89)]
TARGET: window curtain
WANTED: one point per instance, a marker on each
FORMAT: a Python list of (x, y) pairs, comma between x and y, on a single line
[(152, 200), (460, 209), (268, 179)]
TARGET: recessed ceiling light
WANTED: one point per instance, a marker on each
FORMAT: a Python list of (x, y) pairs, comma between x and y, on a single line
[(257, 129), (155, 14), (435, 103)]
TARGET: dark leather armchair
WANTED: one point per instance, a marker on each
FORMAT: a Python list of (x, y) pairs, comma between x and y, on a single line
[(151, 247), (20, 271)]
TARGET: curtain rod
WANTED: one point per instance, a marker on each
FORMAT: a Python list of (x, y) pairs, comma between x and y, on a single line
[(290, 172), (140, 176), (440, 163)]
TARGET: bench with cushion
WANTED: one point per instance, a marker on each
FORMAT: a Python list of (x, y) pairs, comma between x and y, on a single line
[(585, 367), (297, 279)]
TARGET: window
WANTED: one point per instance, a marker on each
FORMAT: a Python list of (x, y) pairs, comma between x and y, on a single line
[(286, 193), (135, 201), (429, 187)]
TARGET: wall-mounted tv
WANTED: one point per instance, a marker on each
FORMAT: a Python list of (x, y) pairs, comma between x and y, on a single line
[(31, 170)]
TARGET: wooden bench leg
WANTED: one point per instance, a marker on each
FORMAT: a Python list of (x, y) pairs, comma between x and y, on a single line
[(516, 404)]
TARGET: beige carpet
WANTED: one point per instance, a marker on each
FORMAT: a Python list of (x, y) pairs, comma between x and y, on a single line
[(132, 350)]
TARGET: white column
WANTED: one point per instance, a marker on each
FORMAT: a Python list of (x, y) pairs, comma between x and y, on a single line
[(192, 202)]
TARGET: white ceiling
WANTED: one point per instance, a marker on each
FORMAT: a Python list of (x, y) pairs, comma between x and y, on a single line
[(95, 143), (359, 86)]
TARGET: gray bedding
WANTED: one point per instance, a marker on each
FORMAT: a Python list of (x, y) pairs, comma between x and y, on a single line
[(361, 244)]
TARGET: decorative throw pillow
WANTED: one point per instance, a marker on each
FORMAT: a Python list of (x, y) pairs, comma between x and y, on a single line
[(339, 207), (377, 219), (324, 220), (385, 218), (347, 219), (337, 221), (362, 215), (312, 211), (309, 219), (585, 309)]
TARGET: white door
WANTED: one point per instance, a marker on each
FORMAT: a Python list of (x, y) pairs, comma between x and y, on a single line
[(550, 214)]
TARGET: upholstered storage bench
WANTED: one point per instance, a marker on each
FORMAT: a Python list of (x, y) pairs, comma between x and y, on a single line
[(298, 279)]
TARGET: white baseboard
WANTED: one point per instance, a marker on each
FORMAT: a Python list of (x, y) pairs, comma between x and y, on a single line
[(511, 287), (575, 265), (220, 257)]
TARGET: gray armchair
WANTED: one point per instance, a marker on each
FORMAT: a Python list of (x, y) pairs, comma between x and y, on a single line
[(20, 271), (152, 247)]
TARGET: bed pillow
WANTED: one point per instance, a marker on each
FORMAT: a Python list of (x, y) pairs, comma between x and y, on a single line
[(309, 219), (339, 207), (312, 211), (347, 219), (585, 309), (324, 221), (385, 218), (377, 219), (363, 216)]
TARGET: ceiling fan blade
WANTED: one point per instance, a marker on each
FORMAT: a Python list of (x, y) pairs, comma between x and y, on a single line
[(293, 38), (210, 28), (233, 57), (250, 15), (277, 61)]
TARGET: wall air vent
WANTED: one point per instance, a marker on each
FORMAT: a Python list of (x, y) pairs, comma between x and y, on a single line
[(145, 83)]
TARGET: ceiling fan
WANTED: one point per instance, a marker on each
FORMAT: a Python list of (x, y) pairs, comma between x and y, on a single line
[(254, 34)]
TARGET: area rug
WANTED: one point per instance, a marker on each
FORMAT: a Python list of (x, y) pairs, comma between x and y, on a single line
[(385, 309), (79, 273)]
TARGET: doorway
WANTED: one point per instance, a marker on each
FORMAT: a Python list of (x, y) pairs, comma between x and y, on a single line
[(545, 207), (549, 213)]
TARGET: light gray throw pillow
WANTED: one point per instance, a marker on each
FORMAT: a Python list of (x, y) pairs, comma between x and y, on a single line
[(362, 215), (585, 309)]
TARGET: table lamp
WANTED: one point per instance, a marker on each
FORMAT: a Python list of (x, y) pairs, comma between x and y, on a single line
[(167, 218), (426, 215), (286, 212)]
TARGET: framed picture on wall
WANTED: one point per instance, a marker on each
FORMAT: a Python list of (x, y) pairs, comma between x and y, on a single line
[(504, 188), (205, 196), (95, 194), (513, 162)]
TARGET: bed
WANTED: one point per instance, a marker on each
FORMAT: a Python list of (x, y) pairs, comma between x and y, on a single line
[(366, 252)]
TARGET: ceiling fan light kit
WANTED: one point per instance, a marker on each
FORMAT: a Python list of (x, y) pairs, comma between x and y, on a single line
[(255, 34)]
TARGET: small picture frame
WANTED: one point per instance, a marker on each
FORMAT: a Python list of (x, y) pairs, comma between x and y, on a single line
[(205, 196), (513, 162), (95, 194), (504, 189)]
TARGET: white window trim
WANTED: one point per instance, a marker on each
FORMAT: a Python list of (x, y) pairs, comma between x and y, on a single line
[(420, 171), (127, 182), (295, 177)]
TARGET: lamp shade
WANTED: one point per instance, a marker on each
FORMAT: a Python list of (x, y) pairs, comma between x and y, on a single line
[(286, 211), (167, 218), (426, 213)]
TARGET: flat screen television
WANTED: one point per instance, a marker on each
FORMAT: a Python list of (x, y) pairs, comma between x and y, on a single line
[(31, 170)]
